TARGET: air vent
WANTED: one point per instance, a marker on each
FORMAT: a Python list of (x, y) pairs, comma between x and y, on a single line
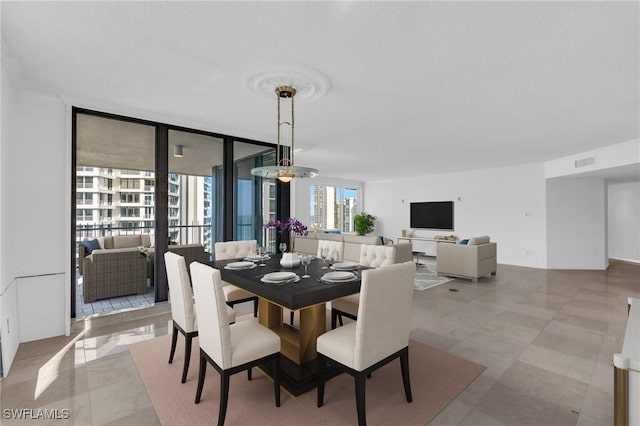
[(589, 161)]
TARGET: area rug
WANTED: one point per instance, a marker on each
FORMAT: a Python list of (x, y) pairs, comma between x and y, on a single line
[(437, 377), (427, 276)]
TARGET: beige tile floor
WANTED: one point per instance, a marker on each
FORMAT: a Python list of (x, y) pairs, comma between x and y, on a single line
[(546, 337)]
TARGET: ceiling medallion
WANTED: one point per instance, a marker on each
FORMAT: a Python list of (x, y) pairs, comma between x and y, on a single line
[(310, 84)]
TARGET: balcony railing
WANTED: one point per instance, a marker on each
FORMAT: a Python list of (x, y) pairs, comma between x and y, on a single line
[(178, 234)]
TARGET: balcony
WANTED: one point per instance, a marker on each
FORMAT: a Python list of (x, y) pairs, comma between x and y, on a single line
[(179, 234)]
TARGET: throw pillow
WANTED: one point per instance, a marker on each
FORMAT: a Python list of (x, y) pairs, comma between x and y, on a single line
[(332, 231), (464, 241), (91, 245)]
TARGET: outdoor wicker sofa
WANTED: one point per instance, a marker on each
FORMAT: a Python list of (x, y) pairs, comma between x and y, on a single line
[(118, 268)]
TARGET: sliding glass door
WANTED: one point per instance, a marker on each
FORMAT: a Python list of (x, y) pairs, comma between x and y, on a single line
[(166, 185), (255, 197), (193, 207)]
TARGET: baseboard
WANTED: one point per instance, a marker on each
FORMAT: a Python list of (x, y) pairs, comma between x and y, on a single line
[(624, 261)]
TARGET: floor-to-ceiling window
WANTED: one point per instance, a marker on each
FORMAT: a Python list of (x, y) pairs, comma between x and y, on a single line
[(255, 197), (193, 209), (135, 177), (114, 189)]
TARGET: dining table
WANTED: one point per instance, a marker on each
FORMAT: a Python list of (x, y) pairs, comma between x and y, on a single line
[(308, 296)]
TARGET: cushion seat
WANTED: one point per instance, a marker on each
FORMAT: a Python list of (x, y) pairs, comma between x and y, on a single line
[(340, 346), (233, 293), (347, 304), (250, 340)]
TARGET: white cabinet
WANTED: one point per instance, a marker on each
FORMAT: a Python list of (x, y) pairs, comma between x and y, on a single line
[(627, 371), (425, 245)]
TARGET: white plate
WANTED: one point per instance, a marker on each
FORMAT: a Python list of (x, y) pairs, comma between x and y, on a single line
[(338, 276), (295, 279), (280, 276), (240, 265), (256, 258), (345, 266)]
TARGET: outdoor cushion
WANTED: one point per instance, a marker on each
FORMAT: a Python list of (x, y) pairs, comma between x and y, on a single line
[(91, 245)]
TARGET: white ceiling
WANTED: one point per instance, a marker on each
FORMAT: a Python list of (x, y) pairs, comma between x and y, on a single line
[(415, 87)]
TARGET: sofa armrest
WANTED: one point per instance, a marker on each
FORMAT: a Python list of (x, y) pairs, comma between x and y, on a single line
[(403, 252), (466, 260), (110, 255), (113, 273)]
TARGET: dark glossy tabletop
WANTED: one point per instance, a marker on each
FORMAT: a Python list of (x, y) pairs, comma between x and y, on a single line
[(294, 295)]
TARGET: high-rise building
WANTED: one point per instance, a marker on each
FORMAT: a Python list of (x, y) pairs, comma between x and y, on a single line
[(114, 201)]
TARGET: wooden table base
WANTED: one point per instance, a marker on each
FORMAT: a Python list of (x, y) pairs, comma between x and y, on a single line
[(297, 345)]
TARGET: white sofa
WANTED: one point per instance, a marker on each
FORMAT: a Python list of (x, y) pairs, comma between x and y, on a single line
[(473, 260), (352, 245)]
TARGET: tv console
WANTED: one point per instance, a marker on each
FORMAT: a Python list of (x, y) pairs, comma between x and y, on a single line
[(427, 249)]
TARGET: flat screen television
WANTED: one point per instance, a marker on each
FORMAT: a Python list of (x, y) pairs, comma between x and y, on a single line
[(432, 215)]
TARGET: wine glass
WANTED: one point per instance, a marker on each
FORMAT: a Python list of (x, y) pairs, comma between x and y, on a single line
[(306, 260), (283, 247), (324, 253), (261, 251)]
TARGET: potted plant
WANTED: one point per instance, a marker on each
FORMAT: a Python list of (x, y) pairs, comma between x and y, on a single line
[(363, 223)]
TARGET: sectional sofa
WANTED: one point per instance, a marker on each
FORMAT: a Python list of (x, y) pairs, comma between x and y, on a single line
[(113, 266), (352, 245)]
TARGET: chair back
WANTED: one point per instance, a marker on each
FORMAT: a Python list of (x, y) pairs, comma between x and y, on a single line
[(384, 313), (336, 249), (375, 256), (182, 310), (235, 249), (214, 333)]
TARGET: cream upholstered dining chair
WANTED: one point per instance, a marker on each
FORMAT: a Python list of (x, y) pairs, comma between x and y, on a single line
[(229, 348), (183, 314), (335, 249), (380, 334), (371, 257), (237, 250)]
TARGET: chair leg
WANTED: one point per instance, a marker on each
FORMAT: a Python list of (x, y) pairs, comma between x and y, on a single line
[(404, 366), (249, 374), (276, 378), (224, 397), (187, 356), (201, 373), (291, 319), (334, 319), (255, 307), (340, 320), (321, 378), (360, 398), (174, 341)]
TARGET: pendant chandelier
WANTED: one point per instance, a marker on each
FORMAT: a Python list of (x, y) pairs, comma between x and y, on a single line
[(285, 169)]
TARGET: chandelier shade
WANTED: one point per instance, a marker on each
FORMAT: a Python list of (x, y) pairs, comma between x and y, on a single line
[(285, 169)]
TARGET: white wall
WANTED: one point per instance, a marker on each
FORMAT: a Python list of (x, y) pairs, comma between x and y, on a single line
[(576, 223), (609, 157), (35, 212), (9, 333), (508, 204), (624, 221)]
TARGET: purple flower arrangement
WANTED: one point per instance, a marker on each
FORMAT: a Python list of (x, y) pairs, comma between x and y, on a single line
[(292, 225)]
